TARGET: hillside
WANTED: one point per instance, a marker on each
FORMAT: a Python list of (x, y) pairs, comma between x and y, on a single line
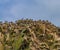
[(29, 35)]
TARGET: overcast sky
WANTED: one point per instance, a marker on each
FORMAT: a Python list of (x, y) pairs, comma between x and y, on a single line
[(11, 10)]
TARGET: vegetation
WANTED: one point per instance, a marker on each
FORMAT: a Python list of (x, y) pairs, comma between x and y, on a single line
[(29, 35)]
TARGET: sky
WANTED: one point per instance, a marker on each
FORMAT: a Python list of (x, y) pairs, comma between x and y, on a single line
[(12, 10)]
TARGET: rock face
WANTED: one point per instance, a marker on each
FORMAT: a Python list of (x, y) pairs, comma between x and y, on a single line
[(29, 35)]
